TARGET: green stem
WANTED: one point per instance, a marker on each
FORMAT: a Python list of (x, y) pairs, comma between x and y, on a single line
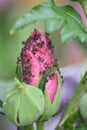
[(72, 109), (30, 127), (40, 125), (71, 120)]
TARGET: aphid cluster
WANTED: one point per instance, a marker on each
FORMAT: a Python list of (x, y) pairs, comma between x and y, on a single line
[(37, 57)]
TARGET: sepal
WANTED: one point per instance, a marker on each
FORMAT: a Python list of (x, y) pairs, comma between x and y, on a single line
[(23, 104)]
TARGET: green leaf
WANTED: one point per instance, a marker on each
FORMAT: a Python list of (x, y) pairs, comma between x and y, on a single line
[(55, 17), (74, 103), (74, 27), (44, 11), (53, 24), (68, 33)]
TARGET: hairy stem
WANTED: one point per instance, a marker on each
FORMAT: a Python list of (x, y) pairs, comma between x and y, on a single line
[(71, 113), (40, 125)]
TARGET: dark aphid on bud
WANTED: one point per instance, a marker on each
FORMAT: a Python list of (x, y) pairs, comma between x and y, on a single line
[(37, 53), (23, 43)]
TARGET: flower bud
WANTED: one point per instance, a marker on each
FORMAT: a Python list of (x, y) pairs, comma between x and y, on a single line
[(23, 104), (83, 107), (52, 95), (36, 57), (39, 69)]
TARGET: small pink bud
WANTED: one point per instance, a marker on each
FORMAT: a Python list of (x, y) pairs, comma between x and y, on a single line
[(52, 85)]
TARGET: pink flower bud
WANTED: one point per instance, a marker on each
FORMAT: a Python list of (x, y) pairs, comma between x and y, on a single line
[(37, 58)]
